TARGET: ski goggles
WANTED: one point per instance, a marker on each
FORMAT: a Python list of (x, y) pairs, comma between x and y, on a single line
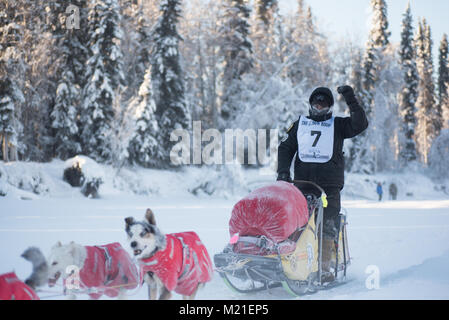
[(320, 100)]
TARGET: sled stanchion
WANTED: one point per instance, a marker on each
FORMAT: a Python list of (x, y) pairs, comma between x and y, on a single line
[(344, 246), (336, 259), (320, 244), (336, 245)]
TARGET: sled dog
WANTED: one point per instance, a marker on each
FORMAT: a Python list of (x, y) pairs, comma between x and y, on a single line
[(176, 262), (95, 270), (39, 276)]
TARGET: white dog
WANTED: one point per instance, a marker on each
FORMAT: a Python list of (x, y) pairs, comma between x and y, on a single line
[(95, 270), (171, 262)]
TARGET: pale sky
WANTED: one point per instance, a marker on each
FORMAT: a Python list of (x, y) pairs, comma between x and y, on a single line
[(340, 19)]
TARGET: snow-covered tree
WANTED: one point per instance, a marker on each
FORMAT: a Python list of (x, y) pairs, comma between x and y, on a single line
[(236, 49), (377, 42), (265, 36), (71, 46), (64, 118), (365, 147), (307, 48), (136, 42), (33, 69), (443, 81), (439, 156), (104, 76), (264, 10), (409, 92), (168, 75), (426, 103), (195, 49), (10, 95), (144, 148), (379, 33)]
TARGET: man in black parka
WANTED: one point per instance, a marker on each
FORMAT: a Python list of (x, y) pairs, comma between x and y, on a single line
[(317, 142)]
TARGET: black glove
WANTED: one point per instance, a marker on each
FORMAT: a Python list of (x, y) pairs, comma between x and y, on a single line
[(345, 91), (284, 177), (348, 93)]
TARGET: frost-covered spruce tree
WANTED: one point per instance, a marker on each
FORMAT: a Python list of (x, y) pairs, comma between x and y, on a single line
[(439, 156), (437, 115), (295, 36), (144, 45), (362, 151), (144, 148), (267, 37), (264, 10), (64, 117), (236, 48), (167, 74), (443, 80), (33, 69), (136, 44), (71, 47), (377, 43), (104, 77), (10, 95), (12, 68), (201, 60), (425, 104), (409, 92)]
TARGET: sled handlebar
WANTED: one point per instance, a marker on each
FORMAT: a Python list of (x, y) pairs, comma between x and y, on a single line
[(313, 184)]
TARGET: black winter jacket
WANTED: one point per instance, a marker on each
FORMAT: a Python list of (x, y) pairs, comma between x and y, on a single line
[(331, 173)]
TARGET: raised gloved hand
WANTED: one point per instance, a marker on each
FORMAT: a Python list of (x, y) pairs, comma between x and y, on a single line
[(284, 177), (347, 92)]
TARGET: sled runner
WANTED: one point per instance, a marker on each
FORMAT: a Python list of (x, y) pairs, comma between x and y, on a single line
[(276, 240)]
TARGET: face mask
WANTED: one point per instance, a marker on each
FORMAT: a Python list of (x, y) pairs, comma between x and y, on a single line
[(320, 99), (314, 111)]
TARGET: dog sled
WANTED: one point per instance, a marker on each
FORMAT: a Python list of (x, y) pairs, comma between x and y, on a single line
[(277, 239)]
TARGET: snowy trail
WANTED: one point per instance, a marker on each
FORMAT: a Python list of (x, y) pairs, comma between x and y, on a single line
[(407, 241)]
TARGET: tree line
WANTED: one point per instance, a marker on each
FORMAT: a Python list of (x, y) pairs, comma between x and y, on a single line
[(111, 79)]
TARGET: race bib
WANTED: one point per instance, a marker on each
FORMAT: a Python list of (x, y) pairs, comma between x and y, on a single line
[(315, 140)]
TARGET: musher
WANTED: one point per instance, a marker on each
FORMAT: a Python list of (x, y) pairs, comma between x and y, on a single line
[(317, 141)]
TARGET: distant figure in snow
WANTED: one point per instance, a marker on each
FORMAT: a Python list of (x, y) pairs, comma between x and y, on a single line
[(393, 189), (379, 191)]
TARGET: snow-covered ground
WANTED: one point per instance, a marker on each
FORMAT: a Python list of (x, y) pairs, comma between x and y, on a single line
[(404, 242)]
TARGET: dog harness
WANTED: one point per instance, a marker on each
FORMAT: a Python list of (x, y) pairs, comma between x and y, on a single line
[(108, 268), (11, 288), (182, 265)]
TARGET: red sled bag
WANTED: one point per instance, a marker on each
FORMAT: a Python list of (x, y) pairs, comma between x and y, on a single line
[(275, 211), (11, 288)]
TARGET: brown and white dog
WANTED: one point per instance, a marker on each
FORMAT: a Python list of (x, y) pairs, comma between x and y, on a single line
[(96, 270), (176, 262)]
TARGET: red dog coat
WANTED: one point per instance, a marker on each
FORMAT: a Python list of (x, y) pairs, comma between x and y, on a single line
[(108, 268), (11, 288), (182, 265)]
